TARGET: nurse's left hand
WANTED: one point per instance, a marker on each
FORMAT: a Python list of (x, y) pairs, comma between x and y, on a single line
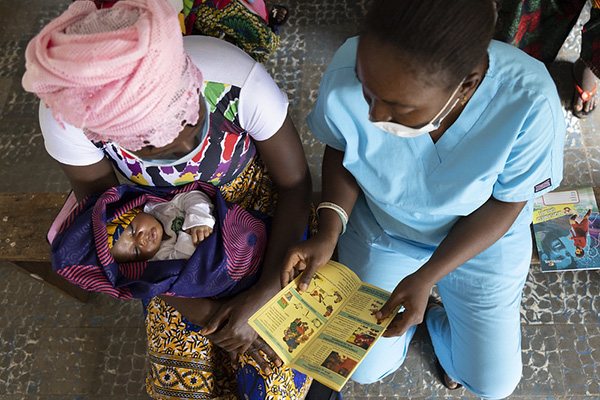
[(412, 293)]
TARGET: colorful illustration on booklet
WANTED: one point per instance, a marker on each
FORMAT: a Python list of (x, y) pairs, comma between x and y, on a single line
[(566, 226), (285, 300), (297, 333), (323, 296), (339, 364), (363, 337)]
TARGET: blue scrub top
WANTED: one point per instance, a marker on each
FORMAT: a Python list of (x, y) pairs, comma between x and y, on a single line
[(507, 143)]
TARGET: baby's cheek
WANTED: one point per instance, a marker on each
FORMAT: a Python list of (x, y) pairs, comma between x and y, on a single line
[(154, 250)]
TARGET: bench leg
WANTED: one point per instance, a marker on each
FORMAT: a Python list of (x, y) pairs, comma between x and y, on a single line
[(42, 271)]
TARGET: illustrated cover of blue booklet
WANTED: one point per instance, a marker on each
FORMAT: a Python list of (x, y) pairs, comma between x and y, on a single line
[(566, 226)]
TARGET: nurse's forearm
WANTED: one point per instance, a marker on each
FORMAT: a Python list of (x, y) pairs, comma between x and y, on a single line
[(470, 236), (339, 187)]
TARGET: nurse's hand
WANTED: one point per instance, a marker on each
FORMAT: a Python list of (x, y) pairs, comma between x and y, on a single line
[(412, 293), (307, 257)]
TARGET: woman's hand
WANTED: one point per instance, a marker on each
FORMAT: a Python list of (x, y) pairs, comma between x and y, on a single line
[(228, 328), (307, 257), (263, 354), (412, 293)]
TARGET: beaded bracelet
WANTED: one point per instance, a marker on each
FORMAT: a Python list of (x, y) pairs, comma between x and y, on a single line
[(339, 210)]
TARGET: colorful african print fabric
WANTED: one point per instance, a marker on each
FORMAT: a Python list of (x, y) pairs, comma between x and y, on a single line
[(234, 23), (540, 27), (225, 151), (185, 364), (254, 190)]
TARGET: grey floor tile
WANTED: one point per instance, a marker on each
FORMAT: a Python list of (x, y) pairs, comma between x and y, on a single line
[(576, 168), (5, 84), (575, 297), (594, 157), (12, 61), (579, 348), (542, 374), (91, 361), (590, 129), (317, 14), (23, 143), (27, 302), (17, 349), (536, 307), (574, 137)]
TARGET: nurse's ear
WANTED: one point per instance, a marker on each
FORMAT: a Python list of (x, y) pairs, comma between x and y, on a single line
[(472, 81)]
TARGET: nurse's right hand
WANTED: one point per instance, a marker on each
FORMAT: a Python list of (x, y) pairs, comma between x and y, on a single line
[(306, 258)]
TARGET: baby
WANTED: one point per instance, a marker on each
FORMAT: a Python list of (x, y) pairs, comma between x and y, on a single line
[(162, 231)]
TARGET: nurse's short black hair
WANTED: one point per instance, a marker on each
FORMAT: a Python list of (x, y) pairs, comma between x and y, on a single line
[(445, 37)]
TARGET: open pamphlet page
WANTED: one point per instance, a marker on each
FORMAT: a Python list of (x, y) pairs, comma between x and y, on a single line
[(566, 227), (327, 330)]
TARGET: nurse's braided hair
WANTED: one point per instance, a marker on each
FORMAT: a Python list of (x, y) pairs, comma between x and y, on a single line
[(443, 36)]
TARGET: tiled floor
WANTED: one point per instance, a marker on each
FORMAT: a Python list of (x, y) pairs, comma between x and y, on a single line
[(53, 348)]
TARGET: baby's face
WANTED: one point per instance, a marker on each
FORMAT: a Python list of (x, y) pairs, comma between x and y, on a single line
[(140, 241)]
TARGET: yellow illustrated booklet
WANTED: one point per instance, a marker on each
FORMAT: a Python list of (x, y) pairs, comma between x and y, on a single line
[(326, 331)]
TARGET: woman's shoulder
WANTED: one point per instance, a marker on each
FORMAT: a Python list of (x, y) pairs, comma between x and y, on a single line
[(66, 143), (218, 60)]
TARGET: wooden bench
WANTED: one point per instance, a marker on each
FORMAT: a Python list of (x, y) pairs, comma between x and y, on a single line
[(24, 222)]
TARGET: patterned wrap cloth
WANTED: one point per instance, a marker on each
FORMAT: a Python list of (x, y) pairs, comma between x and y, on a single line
[(186, 365), (540, 27), (223, 264)]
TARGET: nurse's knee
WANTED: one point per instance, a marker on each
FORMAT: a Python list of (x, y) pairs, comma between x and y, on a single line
[(386, 356), (497, 384), (366, 376), (375, 369)]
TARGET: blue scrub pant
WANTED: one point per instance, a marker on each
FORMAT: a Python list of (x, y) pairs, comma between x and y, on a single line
[(477, 335)]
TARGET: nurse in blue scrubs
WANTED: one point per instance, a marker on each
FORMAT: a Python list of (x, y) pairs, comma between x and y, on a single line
[(437, 140)]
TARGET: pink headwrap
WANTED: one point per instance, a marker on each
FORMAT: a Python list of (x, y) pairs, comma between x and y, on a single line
[(121, 73)]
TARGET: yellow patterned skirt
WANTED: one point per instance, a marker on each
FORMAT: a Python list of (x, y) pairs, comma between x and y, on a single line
[(186, 365)]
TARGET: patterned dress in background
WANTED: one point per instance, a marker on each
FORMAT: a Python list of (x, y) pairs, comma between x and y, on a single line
[(540, 27), (231, 21)]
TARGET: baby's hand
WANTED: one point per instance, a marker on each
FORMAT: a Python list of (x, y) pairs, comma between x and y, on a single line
[(199, 233)]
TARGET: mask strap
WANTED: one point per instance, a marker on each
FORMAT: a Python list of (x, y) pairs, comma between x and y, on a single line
[(439, 121)]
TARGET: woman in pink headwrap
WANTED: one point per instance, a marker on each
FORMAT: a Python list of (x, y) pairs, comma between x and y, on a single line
[(122, 90)]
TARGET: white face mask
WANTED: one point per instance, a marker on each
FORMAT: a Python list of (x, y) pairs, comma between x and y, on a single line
[(407, 131)]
